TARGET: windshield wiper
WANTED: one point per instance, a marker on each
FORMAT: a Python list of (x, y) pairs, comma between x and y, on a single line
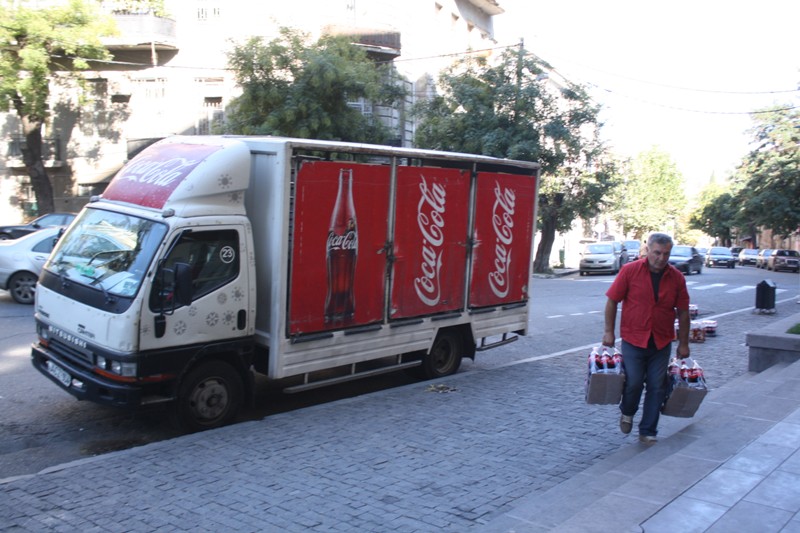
[(61, 272)]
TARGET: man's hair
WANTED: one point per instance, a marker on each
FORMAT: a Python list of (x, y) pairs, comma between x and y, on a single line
[(659, 238)]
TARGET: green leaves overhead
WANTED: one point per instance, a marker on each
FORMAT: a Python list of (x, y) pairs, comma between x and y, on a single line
[(294, 88), (511, 109), (765, 189), (36, 42), (37, 46)]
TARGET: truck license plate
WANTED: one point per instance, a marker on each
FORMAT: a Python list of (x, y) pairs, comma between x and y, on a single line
[(59, 373)]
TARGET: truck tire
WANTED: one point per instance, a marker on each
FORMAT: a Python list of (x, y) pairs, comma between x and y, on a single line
[(210, 396), (445, 356)]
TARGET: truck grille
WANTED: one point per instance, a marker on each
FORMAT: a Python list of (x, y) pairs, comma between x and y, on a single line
[(71, 353)]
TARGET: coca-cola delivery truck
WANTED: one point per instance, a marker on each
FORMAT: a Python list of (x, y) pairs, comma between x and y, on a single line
[(210, 258)]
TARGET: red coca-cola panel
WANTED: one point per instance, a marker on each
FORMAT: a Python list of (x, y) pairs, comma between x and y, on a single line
[(337, 276), (150, 177), (504, 228), (430, 241)]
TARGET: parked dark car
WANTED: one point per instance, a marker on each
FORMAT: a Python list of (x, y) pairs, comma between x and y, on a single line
[(686, 259), (763, 257), (635, 249), (719, 256), (621, 251), (784, 260), (45, 221), (748, 256), (735, 250)]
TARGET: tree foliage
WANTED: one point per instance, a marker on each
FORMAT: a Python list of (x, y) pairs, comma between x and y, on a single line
[(299, 89), (651, 195), (511, 110), (769, 176), (36, 46), (765, 189), (718, 208)]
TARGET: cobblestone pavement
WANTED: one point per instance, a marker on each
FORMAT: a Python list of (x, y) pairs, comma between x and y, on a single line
[(435, 456)]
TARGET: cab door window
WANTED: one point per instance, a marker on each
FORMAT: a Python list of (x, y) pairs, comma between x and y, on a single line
[(213, 257)]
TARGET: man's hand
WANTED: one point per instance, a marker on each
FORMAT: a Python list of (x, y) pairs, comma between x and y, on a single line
[(683, 350), (608, 339)]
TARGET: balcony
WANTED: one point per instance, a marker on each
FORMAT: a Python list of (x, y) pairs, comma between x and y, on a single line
[(380, 44), (142, 31), (144, 40)]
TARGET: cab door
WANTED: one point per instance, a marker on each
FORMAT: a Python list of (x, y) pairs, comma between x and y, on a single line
[(220, 290)]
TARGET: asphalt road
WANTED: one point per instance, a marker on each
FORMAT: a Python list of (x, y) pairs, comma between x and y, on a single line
[(41, 426)]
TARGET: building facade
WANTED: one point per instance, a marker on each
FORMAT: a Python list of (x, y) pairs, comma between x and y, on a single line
[(169, 76)]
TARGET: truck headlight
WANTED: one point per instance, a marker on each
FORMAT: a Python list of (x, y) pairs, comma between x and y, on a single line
[(123, 369)]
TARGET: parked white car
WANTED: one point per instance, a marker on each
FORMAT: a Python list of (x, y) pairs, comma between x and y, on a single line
[(21, 262)]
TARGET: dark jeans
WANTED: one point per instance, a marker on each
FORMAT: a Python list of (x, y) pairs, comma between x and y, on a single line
[(645, 367)]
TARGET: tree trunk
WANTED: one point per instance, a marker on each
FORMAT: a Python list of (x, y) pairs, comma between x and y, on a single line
[(542, 262), (32, 157)]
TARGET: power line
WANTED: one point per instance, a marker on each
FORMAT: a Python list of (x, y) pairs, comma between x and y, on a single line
[(678, 87), (686, 109)]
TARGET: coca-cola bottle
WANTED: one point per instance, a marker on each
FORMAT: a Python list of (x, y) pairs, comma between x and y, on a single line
[(617, 358), (594, 359), (605, 359), (341, 253)]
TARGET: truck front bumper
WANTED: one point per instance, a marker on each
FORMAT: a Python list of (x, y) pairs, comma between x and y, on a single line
[(82, 384)]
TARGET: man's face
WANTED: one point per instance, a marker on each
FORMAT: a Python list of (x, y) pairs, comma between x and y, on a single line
[(658, 256)]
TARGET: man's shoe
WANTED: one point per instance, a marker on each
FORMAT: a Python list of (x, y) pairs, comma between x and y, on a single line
[(648, 439), (625, 424)]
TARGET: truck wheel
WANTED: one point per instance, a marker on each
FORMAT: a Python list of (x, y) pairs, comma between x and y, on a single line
[(445, 356), (209, 397), (22, 287)]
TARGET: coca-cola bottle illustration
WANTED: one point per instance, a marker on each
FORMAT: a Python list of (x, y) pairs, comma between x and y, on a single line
[(341, 253)]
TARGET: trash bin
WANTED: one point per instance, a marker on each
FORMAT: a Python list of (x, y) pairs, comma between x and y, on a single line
[(765, 296)]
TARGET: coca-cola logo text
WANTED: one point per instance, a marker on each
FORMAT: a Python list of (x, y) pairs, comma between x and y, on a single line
[(348, 241), (430, 219), (158, 172), (502, 223)]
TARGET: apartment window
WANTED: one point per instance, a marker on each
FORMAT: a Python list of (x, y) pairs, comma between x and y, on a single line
[(206, 14), (151, 88)]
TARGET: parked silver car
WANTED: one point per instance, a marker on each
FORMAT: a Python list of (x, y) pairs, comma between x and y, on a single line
[(21, 262), (599, 257), (748, 256), (784, 260), (763, 258)]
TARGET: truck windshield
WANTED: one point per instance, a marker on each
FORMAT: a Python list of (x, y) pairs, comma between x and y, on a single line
[(108, 251)]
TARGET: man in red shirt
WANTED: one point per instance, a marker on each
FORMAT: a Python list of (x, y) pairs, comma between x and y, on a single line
[(651, 290)]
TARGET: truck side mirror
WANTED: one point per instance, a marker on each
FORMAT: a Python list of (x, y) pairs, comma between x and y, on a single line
[(183, 284)]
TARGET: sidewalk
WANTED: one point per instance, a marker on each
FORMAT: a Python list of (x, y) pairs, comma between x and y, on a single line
[(734, 467), (514, 449)]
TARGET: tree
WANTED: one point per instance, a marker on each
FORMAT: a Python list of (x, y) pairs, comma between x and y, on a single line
[(37, 46), (716, 214), (651, 196), (769, 176), (715, 218), (297, 89), (511, 110)]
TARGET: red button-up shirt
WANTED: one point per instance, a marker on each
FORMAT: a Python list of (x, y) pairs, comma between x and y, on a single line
[(642, 316)]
